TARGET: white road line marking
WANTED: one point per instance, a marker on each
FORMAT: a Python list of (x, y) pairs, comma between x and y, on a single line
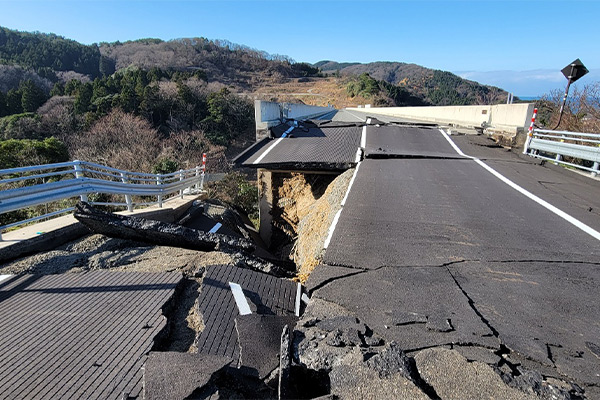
[(305, 298), (358, 155), (332, 228), (354, 115), (5, 277), (251, 228), (363, 137), (240, 299), (350, 185), (263, 155), (587, 229), (454, 146), (215, 228), (298, 297)]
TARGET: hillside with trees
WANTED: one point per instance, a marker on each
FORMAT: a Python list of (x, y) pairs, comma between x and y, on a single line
[(432, 87), (184, 96)]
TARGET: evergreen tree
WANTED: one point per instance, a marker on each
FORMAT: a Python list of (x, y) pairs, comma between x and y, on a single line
[(83, 98), (13, 102), (3, 107), (58, 89), (71, 87), (107, 66), (32, 97)]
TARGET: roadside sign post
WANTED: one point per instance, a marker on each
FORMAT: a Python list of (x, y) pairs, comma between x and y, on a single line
[(572, 72)]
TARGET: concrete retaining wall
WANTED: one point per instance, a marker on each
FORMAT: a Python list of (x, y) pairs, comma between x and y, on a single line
[(512, 118), (302, 111)]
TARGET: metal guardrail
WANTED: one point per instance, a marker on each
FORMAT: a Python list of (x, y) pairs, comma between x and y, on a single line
[(544, 144), (42, 184)]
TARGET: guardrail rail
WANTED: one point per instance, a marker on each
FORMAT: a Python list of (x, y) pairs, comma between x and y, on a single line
[(555, 145), (42, 184)]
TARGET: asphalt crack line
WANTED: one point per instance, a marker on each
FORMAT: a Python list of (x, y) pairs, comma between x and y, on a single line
[(446, 264), (473, 307), (364, 270), (331, 280)]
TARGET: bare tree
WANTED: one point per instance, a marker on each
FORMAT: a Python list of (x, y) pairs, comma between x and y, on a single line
[(119, 140), (582, 109)]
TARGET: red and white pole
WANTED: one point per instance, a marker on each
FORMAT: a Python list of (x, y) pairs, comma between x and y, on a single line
[(203, 170), (530, 132)]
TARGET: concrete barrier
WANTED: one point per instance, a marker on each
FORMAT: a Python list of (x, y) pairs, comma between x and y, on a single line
[(510, 118), (268, 114)]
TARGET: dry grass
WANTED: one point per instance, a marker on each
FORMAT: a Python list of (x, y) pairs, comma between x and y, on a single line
[(315, 91)]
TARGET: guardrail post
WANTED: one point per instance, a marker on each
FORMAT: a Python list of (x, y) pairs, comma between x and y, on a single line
[(127, 196), (596, 168), (197, 179), (180, 179), (160, 196), (78, 175), (559, 156), (189, 189)]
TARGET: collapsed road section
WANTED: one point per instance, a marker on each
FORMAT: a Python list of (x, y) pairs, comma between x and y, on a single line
[(427, 277)]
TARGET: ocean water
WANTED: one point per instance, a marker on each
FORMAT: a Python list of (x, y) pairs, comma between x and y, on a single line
[(529, 98)]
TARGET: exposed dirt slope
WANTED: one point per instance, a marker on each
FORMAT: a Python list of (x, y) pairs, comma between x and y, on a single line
[(314, 223)]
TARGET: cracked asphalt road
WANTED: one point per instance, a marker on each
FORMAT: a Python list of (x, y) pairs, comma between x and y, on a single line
[(438, 251)]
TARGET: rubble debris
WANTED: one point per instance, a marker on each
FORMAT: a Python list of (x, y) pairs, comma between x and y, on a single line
[(453, 377), (184, 322), (534, 383), (390, 361), (155, 232), (331, 340), (285, 363), (176, 376), (233, 221), (259, 338), (99, 252), (249, 261)]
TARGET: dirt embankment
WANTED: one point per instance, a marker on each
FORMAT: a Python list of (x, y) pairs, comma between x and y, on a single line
[(307, 205)]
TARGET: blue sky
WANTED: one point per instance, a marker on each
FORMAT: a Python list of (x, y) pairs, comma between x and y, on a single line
[(488, 41)]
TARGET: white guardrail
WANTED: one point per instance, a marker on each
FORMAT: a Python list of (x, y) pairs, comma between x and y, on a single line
[(42, 184), (554, 145)]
